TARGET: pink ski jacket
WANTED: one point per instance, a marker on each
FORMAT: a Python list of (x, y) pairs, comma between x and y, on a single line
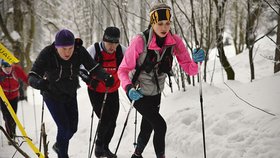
[(136, 47)]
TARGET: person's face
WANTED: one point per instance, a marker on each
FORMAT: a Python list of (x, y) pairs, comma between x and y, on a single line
[(110, 47), (7, 69), (65, 52), (162, 28)]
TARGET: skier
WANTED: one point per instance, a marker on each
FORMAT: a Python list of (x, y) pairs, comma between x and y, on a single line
[(55, 72), (109, 54), (147, 61), (10, 76)]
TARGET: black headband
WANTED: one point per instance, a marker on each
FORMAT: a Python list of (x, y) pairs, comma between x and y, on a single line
[(160, 14)]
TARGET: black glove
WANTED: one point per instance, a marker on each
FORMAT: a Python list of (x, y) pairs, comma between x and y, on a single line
[(22, 97), (43, 84), (84, 75), (109, 81), (93, 83)]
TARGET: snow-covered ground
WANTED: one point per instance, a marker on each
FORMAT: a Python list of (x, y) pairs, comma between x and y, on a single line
[(234, 128)]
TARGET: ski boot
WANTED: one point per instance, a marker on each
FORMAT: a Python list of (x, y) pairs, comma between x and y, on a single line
[(107, 153), (99, 150), (55, 148)]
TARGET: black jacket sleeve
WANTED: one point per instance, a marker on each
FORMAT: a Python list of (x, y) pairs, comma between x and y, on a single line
[(38, 68)]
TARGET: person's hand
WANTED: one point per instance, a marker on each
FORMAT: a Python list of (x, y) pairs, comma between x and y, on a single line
[(109, 81), (93, 83), (43, 84), (132, 93), (84, 75), (198, 55), (22, 97)]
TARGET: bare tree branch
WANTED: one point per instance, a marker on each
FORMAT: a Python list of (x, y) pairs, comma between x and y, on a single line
[(183, 12), (112, 18), (124, 26), (5, 30)]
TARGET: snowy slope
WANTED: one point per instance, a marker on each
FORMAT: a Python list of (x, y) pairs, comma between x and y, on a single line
[(233, 127)]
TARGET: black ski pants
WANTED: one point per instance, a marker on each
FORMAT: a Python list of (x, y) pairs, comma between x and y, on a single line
[(148, 107), (10, 124), (109, 115), (65, 115)]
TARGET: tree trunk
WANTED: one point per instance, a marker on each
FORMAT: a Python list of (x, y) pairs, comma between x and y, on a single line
[(277, 50), (18, 26), (250, 31), (224, 61), (250, 37), (143, 14), (252, 67), (28, 63), (208, 37), (220, 45), (21, 46)]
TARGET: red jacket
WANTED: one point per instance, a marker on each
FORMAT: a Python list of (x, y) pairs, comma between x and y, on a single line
[(110, 65), (10, 82)]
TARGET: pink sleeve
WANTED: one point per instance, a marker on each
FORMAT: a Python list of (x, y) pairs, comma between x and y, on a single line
[(183, 57), (129, 60)]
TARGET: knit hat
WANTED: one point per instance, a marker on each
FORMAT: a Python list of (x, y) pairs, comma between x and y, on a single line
[(5, 64), (111, 34), (159, 12), (64, 38)]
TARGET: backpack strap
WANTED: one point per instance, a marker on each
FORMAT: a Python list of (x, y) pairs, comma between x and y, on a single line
[(99, 58), (119, 55), (140, 68)]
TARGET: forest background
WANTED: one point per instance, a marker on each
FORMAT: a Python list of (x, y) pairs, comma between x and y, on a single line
[(27, 26)]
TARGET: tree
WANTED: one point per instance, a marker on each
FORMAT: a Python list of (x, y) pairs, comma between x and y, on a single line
[(219, 35), (19, 22), (238, 27), (277, 50), (179, 30), (254, 9), (209, 35)]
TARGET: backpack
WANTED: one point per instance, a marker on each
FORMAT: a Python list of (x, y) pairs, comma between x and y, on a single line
[(164, 65), (99, 58)]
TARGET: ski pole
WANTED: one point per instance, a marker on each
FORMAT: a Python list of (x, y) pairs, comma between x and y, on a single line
[(22, 113), (99, 121), (90, 135), (1, 125), (135, 129), (42, 119), (201, 104), (125, 123), (34, 112)]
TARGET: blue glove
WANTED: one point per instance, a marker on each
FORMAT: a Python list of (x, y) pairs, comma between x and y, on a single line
[(198, 55), (134, 94)]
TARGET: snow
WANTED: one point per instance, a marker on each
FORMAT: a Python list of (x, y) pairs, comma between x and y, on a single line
[(233, 128), (15, 35)]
